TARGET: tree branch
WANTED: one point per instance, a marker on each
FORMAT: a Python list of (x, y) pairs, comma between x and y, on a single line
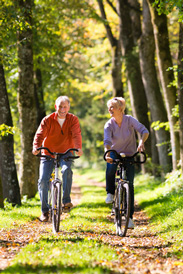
[(110, 36)]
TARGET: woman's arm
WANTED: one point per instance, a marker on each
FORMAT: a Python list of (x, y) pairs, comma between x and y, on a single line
[(141, 146)]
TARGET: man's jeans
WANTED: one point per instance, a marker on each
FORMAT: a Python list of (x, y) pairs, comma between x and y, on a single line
[(45, 171), (110, 181)]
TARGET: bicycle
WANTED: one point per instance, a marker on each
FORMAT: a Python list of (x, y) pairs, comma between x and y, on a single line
[(121, 202), (55, 186)]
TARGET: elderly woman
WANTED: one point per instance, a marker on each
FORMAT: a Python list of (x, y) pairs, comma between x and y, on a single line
[(119, 134)]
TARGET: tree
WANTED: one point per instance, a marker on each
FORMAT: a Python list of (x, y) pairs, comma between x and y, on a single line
[(166, 76), (39, 96), (1, 193), (180, 90), (116, 54), (26, 99), (8, 171), (152, 89), (131, 59)]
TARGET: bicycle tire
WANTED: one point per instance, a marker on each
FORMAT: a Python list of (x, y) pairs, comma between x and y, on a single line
[(123, 209), (115, 206), (56, 205), (50, 202)]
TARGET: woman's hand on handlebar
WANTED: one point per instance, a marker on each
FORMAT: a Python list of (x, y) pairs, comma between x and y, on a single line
[(109, 160)]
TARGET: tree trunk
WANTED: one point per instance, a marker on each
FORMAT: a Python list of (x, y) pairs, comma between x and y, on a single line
[(38, 91), (135, 14), (131, 57), (116, 70), (8, 172), (116, 55), (1, 193), (180, 90), (154, 96), (166, 75), (26, 102)]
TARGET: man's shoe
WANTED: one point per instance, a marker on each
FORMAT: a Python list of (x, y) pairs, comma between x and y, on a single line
[(109, 198), (68, 205), (131, 224), (66, 208), (44, 217)]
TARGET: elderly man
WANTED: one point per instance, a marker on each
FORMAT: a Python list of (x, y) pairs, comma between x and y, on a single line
[(59, 131)]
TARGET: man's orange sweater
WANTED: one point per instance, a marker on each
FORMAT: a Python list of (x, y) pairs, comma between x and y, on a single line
[(50, 134)]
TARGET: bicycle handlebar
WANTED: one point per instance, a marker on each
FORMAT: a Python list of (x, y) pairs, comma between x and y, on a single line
[(122, 159), (57, 153)]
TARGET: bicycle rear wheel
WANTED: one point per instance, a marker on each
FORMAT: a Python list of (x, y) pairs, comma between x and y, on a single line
[(56, 205), (123, 211)]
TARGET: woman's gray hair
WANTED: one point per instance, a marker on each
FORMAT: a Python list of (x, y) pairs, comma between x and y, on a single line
[(62, 99), (118, 101)]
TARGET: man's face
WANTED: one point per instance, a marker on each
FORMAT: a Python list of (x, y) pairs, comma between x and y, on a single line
[(62, 108)]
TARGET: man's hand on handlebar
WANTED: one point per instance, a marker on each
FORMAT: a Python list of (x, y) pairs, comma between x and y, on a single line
[(35, 151), (79, 152)]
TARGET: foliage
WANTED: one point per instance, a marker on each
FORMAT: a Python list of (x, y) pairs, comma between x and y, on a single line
[(6, 130), (157, 125), (168, 6)]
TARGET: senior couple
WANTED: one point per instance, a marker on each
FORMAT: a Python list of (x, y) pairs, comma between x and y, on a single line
[(60, 131)]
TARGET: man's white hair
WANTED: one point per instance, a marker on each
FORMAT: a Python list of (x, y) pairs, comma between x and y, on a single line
[(62, 99)]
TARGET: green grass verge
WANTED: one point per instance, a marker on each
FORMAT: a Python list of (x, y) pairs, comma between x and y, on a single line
[(163, 203), (29, 210)]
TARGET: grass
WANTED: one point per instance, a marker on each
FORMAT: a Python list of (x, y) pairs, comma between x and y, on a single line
[(163, 202), (29, 210), (78, 247), (63, 254)]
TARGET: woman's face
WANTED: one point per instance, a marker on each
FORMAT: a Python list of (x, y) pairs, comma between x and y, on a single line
[(114, 110)]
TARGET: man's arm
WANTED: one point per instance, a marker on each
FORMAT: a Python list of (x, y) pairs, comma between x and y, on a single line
[(77, 138), (41, 133)]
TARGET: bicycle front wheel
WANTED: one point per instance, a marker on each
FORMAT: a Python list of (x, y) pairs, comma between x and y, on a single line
[(123, 209), (56, 205)]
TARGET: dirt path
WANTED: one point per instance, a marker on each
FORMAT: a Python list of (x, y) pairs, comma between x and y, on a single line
[(140, 252)]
